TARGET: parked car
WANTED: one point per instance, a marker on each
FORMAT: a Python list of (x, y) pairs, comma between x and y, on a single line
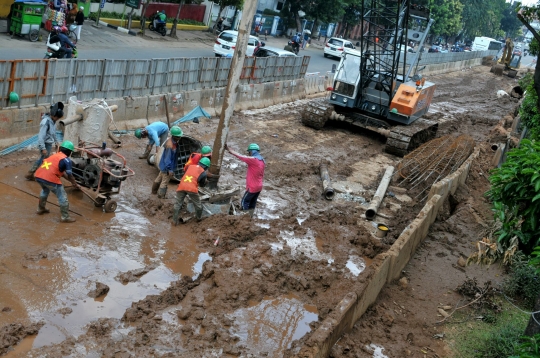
[(435, 48), (335, 46), (517, 52), (226, 43), (268, 51)]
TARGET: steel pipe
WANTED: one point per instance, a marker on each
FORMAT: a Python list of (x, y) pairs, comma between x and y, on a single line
[(115, 139), (71, 120), (371, 212), (328, 191)]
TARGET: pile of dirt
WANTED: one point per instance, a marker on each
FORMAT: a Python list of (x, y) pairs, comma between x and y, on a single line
[(12, 334)]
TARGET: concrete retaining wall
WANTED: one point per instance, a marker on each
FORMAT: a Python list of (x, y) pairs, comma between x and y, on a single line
[(386, 267)]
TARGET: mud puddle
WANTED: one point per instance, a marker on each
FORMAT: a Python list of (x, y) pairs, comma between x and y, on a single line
[(268, 328)]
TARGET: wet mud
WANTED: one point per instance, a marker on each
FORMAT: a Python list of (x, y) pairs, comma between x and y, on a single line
[(267, 284)]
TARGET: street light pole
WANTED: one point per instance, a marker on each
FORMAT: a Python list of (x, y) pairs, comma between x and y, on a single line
[(231, 91)]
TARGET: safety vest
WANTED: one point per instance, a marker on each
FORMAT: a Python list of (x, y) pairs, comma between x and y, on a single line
[(50, 168), (189, 180), (193, 159)]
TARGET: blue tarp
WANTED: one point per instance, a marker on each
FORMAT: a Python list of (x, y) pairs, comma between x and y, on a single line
[(195, 113)]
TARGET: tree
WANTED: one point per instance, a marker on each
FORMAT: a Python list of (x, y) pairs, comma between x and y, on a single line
[(175, 22), (352, 15), (526, 14), (239, 4), (482, 17), (325, 11), (447, 17), (510, 24)]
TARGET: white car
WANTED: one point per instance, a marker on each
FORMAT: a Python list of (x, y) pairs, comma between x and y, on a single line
[(335, 47), (226, 43), (268, 51)]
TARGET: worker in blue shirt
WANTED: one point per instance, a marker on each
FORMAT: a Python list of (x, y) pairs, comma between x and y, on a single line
[(157, 134), (168, 163)]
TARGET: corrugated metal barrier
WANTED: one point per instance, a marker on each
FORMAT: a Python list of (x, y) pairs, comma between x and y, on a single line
[(46, 81)]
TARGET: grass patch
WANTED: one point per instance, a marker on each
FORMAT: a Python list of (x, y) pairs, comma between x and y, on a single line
[(480, 339)]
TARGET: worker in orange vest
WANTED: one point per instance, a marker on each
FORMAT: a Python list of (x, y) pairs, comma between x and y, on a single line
[(48, 176), (189, 186), (194, 158)]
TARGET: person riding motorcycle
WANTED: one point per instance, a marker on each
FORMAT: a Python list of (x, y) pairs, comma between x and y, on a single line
[(66, 45), (296, 42), (160, 19)]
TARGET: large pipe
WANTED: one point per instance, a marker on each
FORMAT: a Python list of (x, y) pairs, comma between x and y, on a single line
[(327, 185), (115, 140), (71, 120), (371, 212)]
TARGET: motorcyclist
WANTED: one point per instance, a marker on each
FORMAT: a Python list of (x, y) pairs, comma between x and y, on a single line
[(160, 19), (219, 24), (296, 40), (64, 40)]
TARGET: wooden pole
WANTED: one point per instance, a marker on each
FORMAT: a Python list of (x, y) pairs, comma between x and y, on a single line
[(167, 110), (231, 91)]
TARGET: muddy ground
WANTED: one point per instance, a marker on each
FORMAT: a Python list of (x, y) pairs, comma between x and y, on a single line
[(270, 281)]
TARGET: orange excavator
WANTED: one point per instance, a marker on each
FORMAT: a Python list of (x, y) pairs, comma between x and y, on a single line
[(374, 87)]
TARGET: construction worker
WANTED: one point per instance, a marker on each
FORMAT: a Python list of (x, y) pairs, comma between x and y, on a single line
[(194, 158), (47, 136), (194, 177), (168, 163), (48, 176), (157, 134), (254, 176)]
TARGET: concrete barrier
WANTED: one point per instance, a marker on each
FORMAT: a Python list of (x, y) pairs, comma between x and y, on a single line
[(268, 94), (244, 97), (176, 105), (156, 109), (207, 100), (385, 268), (218, 100)]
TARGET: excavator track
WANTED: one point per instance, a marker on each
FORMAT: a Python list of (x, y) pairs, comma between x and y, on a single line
[(401, 139), (316, 113), (404, 139)]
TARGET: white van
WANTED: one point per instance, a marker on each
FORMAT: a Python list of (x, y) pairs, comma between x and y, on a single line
[(486, 43)]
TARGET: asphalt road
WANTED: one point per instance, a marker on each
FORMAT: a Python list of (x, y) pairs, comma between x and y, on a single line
[(110, 44)]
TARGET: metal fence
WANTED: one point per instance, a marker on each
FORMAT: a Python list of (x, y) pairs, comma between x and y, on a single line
[(431, 58), (46, 81)]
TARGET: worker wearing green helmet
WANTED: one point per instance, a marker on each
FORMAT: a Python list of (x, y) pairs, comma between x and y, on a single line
[(254, 176), (168, 163), (194, 177), (48, 176), (156, 133), (206, 152), (47, 136)]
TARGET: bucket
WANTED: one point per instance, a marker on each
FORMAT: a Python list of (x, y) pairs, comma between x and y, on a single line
[(381, 230)]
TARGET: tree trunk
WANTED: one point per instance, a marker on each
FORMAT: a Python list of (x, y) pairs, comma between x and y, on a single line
[(143, 18), (533, 327), (536, 84), (298, 23), (175, 22)]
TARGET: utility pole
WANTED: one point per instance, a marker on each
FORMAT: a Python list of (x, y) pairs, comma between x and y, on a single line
[(231, 91)]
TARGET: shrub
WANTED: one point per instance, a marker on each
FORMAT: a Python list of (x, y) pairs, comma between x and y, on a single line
[(530, 116), (528, 348), (515, 192), (523, 282)]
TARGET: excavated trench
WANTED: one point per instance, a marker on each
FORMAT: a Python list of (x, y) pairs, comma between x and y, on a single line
[(269, 281)]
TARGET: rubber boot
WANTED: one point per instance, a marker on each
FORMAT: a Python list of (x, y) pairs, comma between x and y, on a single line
[(175, 217), (162, 193), (30, 175), (250, 212), (64, 210), (155, 187), (198, 214), (146, 152), (41, 206)]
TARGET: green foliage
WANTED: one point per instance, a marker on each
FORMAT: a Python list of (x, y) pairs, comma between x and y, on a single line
[(535, 259), (530, 115), (509, 22), (525, 81), (447, 16), (482, 17), (534, 47), (523, 282), (515, 193), (480, 339), (270, 12), (115, 15), (528, 348)]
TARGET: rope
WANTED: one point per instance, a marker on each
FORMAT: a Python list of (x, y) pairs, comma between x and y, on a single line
[(519, 309)]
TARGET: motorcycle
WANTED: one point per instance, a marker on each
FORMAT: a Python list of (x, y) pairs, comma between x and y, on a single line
[(295, 46), (160, 28), (55, 50)]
